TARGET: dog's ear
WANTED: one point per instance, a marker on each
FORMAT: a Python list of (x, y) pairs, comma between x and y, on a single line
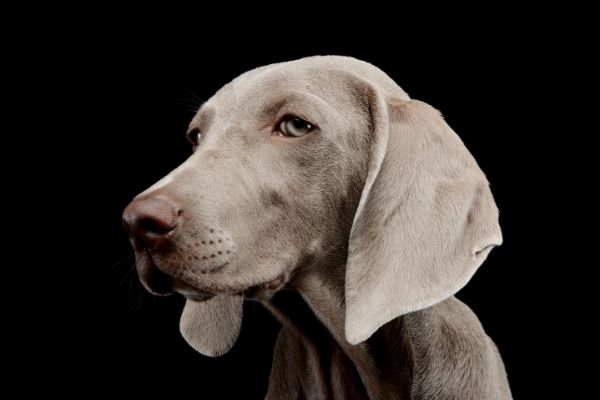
[(425, 222), (211, 327)]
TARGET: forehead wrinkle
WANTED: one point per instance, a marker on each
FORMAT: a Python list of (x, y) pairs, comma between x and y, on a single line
[(326, 85), (304, 102)]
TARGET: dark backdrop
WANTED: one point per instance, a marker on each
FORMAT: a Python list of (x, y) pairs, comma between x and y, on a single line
[(129, 100)]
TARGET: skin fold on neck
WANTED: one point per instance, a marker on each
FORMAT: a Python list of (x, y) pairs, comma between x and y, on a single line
[(312, 308)]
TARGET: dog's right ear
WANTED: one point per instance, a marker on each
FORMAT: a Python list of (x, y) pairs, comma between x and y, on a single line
[(211, 327)]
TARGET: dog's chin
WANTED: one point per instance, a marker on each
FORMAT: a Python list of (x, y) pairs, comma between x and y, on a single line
[(258, 291), (266, 290), (192, 292), (198, 296)]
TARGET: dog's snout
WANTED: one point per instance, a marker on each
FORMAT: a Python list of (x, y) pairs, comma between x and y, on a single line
[(151, 219)]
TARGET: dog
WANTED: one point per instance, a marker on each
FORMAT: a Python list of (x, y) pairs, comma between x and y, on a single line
[(354, 213)]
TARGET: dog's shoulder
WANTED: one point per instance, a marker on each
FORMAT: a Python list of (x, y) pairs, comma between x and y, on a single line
[(454, 358)]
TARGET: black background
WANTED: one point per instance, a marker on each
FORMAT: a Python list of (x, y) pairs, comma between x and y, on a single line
[(129, 98)]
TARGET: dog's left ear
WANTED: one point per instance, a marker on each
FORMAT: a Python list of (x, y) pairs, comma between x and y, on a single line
[(425, 222)]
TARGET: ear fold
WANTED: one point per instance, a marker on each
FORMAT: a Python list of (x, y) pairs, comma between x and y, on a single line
[(425, 222), (211, 327)]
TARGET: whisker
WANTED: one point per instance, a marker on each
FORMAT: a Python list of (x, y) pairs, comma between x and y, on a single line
[(140, 296), (196, 101), (188, 106), (121, 261), (127, 275), (193, 94)]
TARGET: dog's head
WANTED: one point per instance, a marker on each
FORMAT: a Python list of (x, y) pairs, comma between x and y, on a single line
[(292, 161)]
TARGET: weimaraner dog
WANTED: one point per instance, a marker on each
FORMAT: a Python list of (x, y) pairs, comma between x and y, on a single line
[(352, 212)]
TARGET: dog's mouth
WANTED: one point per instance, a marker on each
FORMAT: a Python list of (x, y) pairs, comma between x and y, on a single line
[(261, 291), (158, 282), (161, 283)]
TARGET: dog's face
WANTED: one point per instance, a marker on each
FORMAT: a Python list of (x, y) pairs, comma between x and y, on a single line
[(300, 161), (274, 180)]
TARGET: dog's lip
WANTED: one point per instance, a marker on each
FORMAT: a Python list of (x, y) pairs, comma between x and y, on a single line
[(176, 283), (148, 272), (215, 269), (189, 285)]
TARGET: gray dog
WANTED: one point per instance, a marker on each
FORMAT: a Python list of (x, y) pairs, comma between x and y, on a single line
[(353, 213)]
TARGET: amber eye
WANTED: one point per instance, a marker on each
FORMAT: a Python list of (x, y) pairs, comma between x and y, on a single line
[(294, 127)]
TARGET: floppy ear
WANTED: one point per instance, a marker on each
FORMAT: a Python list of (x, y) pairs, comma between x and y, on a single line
[(212, 326), (425, 222)]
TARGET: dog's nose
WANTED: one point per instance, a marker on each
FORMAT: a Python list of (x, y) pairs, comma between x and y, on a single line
[(151, 219)]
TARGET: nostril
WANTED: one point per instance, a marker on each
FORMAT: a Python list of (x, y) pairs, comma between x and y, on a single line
[(159, 226)]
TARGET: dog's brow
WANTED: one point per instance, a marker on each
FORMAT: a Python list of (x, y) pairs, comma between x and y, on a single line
[(293, 98), (273, 107), (203, 119)]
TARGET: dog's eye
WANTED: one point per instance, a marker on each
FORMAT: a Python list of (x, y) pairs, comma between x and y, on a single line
[(194, 136), (294, 127)]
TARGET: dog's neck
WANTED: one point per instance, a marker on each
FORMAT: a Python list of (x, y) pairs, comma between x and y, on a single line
[(313, 308)]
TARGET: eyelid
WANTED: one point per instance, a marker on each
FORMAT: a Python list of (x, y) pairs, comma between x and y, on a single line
[(288, 115)]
